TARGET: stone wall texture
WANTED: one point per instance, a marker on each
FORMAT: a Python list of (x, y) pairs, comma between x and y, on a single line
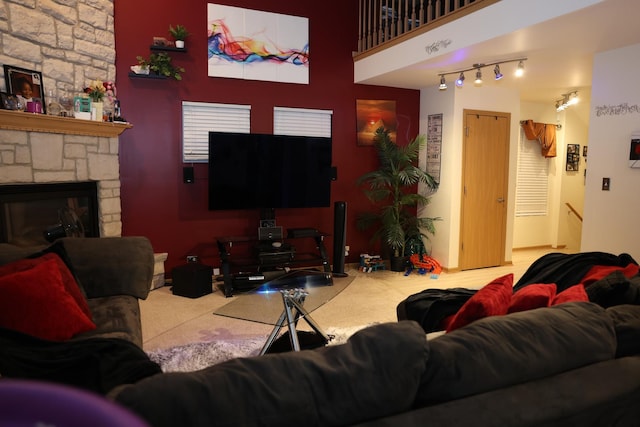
[(71, 42)]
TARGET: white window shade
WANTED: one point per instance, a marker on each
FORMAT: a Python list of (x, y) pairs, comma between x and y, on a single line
[(198, 118), (301, 122), (532, 186)]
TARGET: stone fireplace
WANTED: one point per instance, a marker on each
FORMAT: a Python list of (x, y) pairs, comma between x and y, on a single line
[(35, 148)]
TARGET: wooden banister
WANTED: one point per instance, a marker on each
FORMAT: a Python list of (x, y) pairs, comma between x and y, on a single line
[(574, 211)]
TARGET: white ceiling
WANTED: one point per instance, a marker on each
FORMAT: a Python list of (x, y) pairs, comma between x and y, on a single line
[(560, 53)]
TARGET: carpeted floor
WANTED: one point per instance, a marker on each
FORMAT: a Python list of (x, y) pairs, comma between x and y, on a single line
[(169, 320)]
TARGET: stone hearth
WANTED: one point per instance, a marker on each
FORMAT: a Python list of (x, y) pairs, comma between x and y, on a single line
[(45, 149)]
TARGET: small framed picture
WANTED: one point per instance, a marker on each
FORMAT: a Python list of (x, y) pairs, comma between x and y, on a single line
[(25, 84), (9, 102)]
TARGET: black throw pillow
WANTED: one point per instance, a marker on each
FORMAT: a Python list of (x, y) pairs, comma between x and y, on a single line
[(610, 290)]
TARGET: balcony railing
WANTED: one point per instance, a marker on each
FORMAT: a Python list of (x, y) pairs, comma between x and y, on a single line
[(384, 22)]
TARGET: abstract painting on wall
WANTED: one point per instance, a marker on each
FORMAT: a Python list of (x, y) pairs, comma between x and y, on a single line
[(254, 45)]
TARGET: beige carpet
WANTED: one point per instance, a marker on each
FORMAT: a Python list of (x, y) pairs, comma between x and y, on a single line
[(169, 320)]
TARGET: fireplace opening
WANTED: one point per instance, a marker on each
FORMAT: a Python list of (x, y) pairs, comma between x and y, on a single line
[(36, 214)]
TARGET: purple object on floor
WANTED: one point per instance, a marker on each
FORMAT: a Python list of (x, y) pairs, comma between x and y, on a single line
[(29, 403)]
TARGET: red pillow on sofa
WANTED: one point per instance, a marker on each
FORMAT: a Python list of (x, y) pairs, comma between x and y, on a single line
[(574, 293), (491, 300), (35, 302), (532, 296), (68, 280)]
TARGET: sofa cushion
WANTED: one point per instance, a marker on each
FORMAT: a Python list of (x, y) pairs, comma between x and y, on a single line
[(376, 373), (532, 296), (115, 317), (501, 351), (626, 320), (572, 294), (491, 300), (68, 279), (35, 302)]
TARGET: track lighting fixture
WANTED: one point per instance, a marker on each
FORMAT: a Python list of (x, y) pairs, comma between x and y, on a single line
[(568, 99), (478, 80), (496, 71), (443, 83), (478, 68)]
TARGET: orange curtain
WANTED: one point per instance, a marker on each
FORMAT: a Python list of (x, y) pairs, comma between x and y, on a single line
[(545, 134)]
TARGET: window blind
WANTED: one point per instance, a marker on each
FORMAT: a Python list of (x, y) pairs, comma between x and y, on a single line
[(301, 121), (198, 118), (532, 179)]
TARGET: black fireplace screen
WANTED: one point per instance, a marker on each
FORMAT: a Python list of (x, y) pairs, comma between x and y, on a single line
[(33, 214)]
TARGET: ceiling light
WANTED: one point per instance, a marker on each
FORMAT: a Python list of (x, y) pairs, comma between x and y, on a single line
[(497, 72), (443, 83), (478, 79), (477, 67), (568, 99), (573, 98)]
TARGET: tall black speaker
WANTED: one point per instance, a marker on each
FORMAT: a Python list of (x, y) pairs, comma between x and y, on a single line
[(339, 237)]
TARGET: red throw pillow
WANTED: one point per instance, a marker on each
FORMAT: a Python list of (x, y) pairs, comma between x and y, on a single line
[(491, 300), (532, 296), (35, 302), (574, 293), (68, 280)]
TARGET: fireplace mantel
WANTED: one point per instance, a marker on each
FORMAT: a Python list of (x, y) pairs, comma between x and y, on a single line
[(30, 122)]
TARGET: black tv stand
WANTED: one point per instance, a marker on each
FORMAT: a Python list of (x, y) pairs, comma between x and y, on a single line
[(248, 262)]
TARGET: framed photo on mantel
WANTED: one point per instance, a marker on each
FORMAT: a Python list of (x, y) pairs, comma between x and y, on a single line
[(25, 84)]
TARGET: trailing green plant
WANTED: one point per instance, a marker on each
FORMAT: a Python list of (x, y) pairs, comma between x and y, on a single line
[(160, 64), (179, 32), (391, 188)]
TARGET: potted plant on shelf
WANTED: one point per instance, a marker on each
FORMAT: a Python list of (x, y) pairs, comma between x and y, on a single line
[(391, 188), (160, 64), (179, 33)]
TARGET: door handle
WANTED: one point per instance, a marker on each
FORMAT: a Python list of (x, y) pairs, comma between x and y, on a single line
[(500, 200)]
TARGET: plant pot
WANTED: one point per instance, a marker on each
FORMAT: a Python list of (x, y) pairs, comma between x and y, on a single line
[(399, 263), (180, 44)]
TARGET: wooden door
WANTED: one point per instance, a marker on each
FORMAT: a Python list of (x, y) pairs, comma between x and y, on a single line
[(485, 176)]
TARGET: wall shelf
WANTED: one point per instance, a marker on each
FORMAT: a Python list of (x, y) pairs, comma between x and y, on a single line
[(146, 76), (167, 49), (30, 122)]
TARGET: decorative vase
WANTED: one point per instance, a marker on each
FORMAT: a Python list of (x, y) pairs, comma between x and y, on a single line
[(97, 108), (180, 44)]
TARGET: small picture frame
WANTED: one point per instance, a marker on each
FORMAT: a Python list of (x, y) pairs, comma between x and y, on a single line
[(573, 157), (9, 102), (25, 84)]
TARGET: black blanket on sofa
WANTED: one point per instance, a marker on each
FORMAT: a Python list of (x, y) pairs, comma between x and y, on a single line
[(566, 270), (95, 364)]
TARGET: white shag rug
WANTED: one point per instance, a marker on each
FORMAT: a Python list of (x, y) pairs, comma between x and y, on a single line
[(195, 356)]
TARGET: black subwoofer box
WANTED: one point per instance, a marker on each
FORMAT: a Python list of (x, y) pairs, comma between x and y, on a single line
[(192, 280)]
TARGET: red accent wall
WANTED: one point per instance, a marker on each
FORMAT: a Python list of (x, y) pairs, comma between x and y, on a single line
[(155, 201)]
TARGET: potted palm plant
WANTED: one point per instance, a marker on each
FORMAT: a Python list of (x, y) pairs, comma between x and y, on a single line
[(391, 188)]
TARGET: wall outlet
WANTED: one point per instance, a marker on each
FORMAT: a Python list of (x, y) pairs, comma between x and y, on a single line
[(192, 258)]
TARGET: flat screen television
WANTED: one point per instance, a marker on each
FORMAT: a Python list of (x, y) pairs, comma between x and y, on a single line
[(260, 171)]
